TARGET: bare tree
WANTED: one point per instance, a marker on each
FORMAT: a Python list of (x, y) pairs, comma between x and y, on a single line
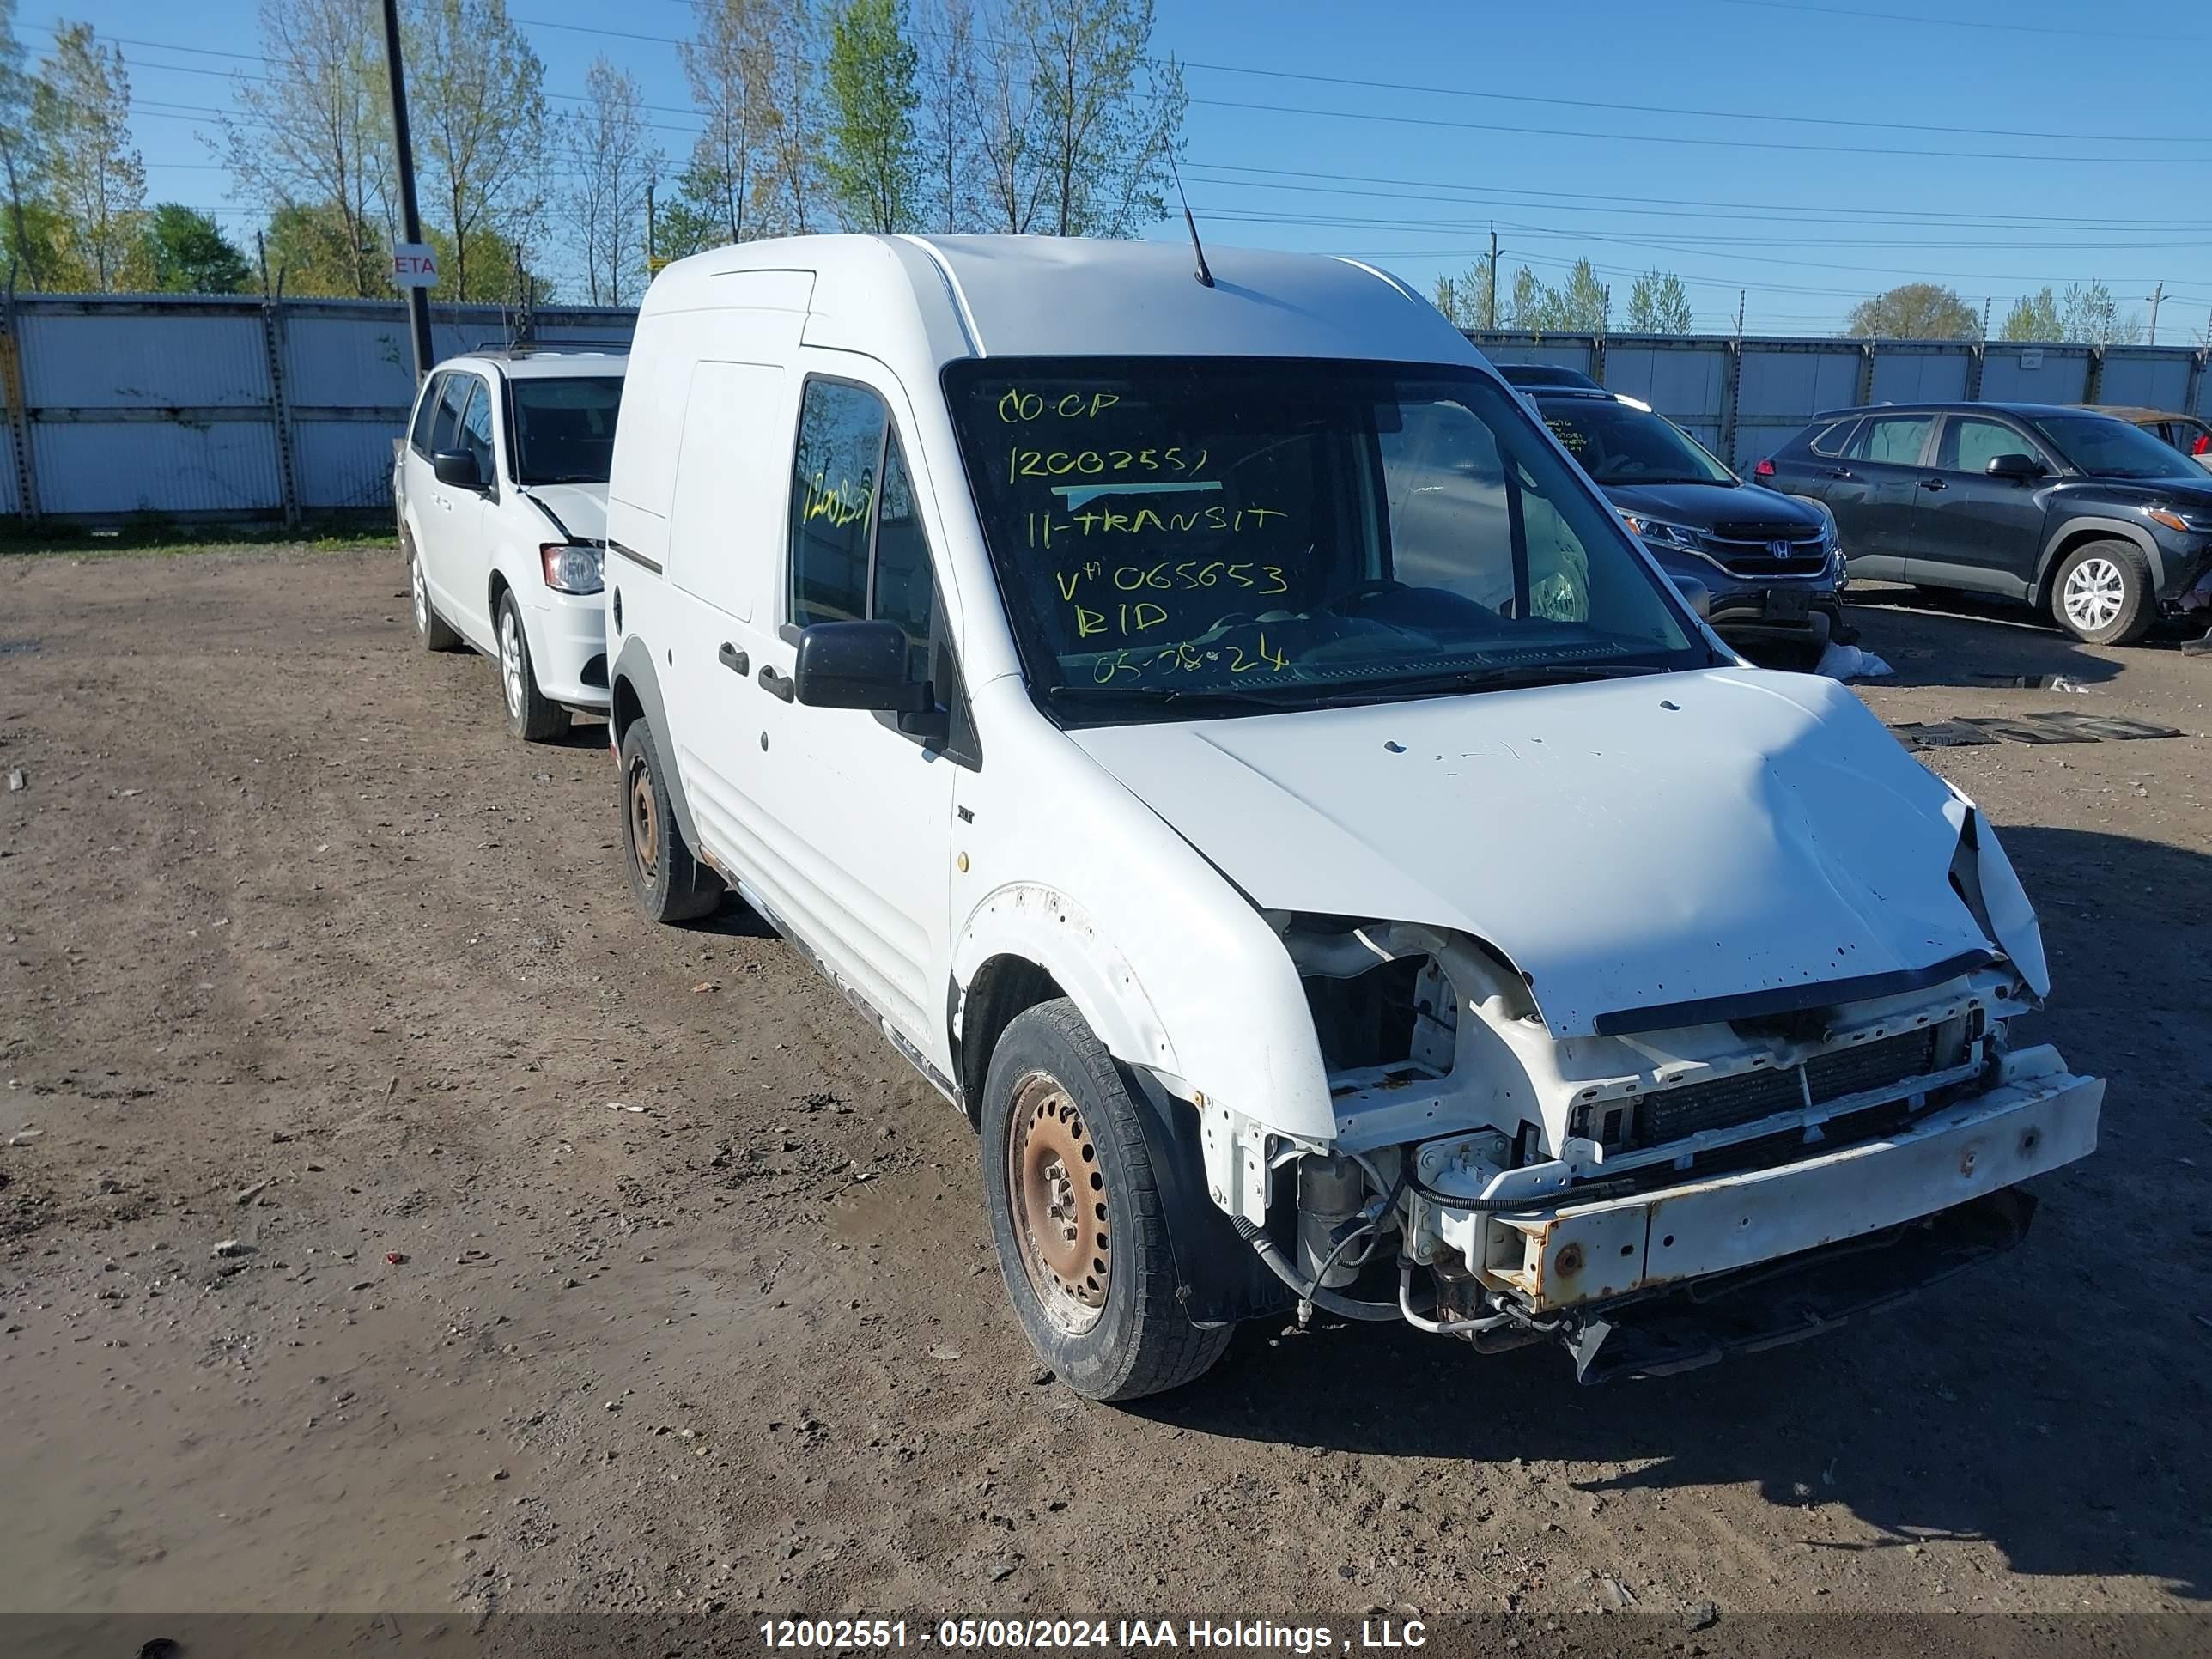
[(1104, 120), (90, 171), (614, 164), (727, 68), (1006, 106), (949, 118), (316, 135), (790, 187), (477, 99)]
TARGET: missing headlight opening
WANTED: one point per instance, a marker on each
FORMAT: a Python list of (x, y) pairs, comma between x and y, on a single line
[(1500, 1180)]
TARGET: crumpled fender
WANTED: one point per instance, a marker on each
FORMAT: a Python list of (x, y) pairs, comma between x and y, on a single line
[(1038, 923), (2004, 911)]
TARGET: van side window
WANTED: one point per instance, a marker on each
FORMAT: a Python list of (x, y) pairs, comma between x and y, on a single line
[(833, 500), (857, 550), (904, 588), (426, 411)]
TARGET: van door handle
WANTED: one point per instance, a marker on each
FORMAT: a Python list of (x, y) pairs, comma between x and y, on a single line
[(1933, 484), (775, 684), (733, 659)]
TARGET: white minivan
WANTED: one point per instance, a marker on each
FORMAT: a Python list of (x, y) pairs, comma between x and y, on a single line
[(502, 491), (1313, 902)]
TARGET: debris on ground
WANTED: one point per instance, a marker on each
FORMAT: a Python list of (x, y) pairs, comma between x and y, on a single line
[(1850, 662)]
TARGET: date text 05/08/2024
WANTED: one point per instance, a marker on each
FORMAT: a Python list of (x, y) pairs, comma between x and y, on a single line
[(956, 1635)]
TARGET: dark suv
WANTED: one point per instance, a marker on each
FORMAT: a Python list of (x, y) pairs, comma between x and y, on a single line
[(2077, 514), (1770, 562)]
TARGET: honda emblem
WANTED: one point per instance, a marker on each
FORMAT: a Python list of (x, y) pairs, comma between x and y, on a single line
[(1779, 550)]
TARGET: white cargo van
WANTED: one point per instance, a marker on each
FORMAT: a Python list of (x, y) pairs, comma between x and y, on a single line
[(1314, 896)]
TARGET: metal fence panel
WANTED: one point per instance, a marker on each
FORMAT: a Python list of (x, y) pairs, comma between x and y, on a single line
[(98, 468), (2036, 374), (1921, 373), (1781, 385), (143, 356), (169, 404), (2144, 375)]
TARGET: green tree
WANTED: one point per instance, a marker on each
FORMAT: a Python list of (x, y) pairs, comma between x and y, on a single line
[(189, 254), (314, 132), (1082, 125), (873, 165), (91, 174), (1658, 304), (1914, 311), (1526, 308), (2032, 317), (476, 102), (2089, 315), (1466, 300), (19, 168), (314, 251), (1581, 305)]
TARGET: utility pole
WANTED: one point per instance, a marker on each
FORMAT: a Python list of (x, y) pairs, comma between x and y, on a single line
[(1490, 319), (2156, 298), (1739, 316), (649, 249), (1988, 299), (410, 220)]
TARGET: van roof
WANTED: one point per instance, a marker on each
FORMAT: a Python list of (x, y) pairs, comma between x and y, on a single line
[(947, 297)]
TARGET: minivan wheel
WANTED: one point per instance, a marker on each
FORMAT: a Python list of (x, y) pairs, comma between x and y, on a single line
[(667, 882), (529, 715), (429, 628), (1078, 1216), (2102, 594)]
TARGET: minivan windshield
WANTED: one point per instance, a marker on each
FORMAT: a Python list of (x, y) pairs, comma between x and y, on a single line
[(1218, 534), (1618, 443), (2104, 447), (564, 428)]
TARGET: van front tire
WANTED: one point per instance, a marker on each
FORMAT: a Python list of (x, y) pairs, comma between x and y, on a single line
[(666, 879), (1078, 1216), (529, 716)]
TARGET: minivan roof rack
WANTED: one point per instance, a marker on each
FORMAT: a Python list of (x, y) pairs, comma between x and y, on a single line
[(541, 343)]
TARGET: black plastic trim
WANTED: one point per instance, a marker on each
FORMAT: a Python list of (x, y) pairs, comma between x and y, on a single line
[(1787, 998)]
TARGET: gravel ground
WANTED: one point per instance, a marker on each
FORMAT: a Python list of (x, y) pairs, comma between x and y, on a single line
[(585, 1265)]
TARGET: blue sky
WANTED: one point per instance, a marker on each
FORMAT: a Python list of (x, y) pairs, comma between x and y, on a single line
[(1750, 164)]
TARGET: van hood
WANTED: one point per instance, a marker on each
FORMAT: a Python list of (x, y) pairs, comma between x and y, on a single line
[(1647, 852), (579, 508)]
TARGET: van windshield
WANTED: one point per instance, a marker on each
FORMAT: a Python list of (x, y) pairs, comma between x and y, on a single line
[(1212, 534), (564, 428)]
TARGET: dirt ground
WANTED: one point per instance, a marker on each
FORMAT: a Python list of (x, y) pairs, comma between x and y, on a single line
[(597, 1266)]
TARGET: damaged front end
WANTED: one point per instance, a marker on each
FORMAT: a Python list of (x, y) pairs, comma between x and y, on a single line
[(1654, 1195)]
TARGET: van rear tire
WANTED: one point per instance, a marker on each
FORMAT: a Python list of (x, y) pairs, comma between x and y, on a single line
[(666, 879), (1078, 1216)]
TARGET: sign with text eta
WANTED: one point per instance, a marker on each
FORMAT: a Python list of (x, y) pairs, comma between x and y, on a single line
[(414, 265)]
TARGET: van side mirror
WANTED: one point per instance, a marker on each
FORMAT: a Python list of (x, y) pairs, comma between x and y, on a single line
[(1695, 594), (858, 665), (457, 467), (2018, 467)]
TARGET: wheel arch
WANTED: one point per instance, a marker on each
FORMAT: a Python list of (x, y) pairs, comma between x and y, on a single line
[(1026, 943), (2080, 530), (634, 694)]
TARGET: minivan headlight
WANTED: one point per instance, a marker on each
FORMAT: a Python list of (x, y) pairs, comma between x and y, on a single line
[(572, 567)]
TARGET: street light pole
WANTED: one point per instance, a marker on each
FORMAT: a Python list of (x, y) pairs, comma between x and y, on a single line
[(410, 220)]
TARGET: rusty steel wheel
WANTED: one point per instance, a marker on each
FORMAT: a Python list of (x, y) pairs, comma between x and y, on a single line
[(644, 819), (666, 879), (1058, 1195)]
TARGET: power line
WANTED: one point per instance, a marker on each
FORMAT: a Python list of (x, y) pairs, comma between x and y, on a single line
[(1711, 143), (1980, 26)]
